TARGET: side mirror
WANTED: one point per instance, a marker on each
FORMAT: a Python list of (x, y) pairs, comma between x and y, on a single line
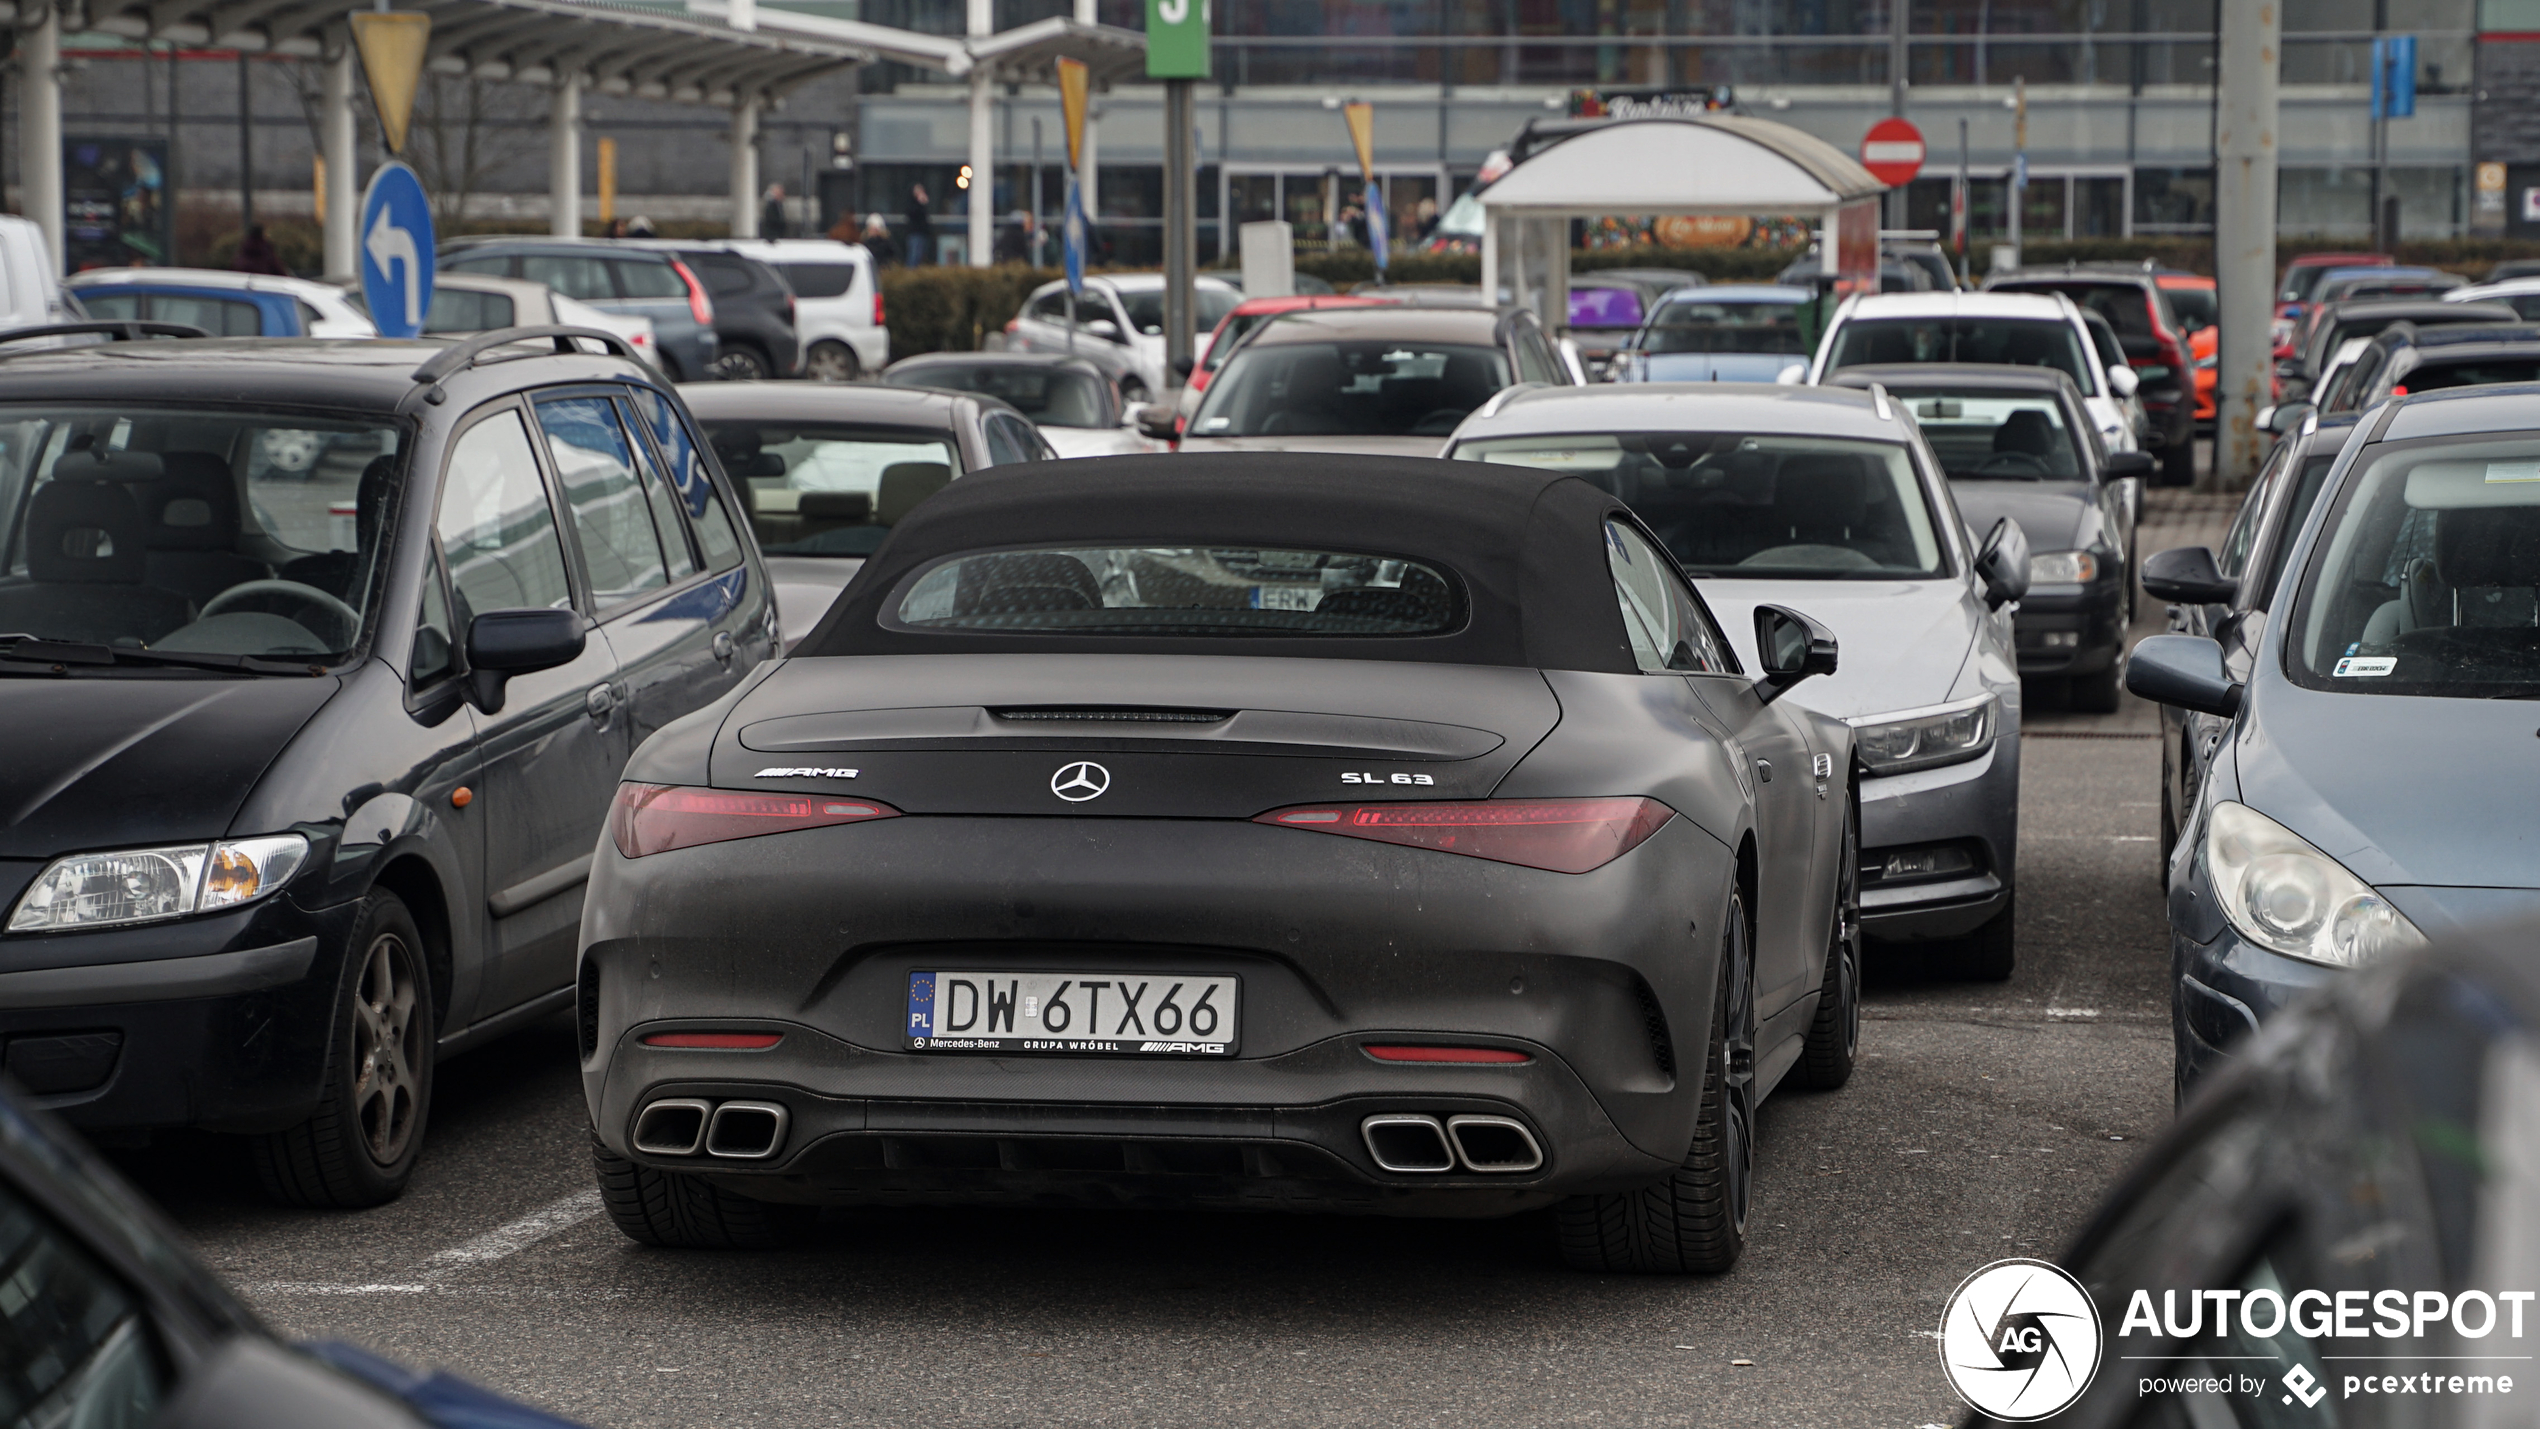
[(2182, 670), (1792, 647), (2285, 417), (2122, 381), (2002, 563), (1182, 367), (1793, 375), (1155, 421), (504, 643), (2187, 575), (2131, 464), (1105, 329)]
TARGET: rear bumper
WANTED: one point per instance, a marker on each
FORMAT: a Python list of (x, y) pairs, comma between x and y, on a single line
[(220, 1022), (1602, 980)]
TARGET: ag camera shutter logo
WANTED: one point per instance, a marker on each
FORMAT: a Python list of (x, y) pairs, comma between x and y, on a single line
[(2020, 1340)]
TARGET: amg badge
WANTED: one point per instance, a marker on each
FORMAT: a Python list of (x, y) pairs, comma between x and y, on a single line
[(804, 774)]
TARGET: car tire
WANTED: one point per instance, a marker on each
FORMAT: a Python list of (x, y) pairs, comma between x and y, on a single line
[(678, 1210), (2097, 693), (2178, 463), (736, 363), (1694, 1221), (360, 1145), (1834, 1034), (1991, 951), (2169, 831), (832, 362)]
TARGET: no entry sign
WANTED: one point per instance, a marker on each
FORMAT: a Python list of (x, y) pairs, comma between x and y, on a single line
[(1892, 151)]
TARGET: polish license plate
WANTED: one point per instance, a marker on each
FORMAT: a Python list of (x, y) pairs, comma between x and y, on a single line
[(1151, 1014)]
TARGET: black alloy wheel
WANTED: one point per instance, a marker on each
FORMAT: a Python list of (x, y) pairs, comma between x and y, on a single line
[(360, 1146), (1694, 1221), (681, 1211), (831, 362), (1834, 1034), (742, 364)]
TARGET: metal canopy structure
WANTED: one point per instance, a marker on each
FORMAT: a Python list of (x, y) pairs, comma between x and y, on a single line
[(1029, 54), (1700, 165)]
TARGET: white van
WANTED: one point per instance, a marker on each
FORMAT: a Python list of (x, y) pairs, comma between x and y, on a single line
[(30, 285), (837, 302)]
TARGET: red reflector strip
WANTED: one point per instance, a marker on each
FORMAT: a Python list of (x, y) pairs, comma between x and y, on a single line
[(734, 1041), (655, 818), (1559, 835), (1445, 1054)]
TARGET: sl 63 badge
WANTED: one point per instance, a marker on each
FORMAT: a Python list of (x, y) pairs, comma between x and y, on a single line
[(1348, 778)]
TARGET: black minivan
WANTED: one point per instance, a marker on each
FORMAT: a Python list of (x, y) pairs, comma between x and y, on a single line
[(319, 662)]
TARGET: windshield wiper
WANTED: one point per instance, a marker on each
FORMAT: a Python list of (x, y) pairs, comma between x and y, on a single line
[(35, 650)]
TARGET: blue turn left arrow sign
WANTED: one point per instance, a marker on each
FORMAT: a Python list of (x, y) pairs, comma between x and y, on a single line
[(396, 243)]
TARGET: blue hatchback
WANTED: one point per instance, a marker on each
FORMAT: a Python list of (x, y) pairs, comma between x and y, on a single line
[(2375, 777), (221, 303)]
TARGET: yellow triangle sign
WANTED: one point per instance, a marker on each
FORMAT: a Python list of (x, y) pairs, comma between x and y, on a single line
[(392, 48)]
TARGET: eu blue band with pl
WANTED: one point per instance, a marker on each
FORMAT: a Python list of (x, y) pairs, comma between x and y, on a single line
[(396, 251)]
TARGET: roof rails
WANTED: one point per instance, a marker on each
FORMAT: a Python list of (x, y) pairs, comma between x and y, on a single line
[(463, 355), (114, 330)]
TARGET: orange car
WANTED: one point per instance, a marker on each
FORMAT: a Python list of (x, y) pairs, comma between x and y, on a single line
[(2192, 298)]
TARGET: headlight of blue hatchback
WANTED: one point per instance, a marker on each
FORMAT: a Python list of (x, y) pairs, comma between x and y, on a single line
[(98, 890), (2288, 897), (1921, 739)]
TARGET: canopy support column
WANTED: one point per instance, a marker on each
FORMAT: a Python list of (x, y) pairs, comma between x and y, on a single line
[(336, 136), (40, 126), (982, 194), (564, 158), (745, 168)]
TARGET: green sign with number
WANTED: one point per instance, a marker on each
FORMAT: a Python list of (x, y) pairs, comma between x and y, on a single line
[(1177, 39)]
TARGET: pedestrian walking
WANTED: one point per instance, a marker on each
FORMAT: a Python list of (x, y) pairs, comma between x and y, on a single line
[(772, 222), (1016, 240), (921, 229), (879, 243)]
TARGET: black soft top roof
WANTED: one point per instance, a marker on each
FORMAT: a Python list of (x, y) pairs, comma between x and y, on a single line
[(1527, 545)]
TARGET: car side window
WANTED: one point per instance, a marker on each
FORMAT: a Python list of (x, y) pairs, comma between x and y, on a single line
[(74, 1348), (498, 265), (724, 275), (436, 638), (1534, 363), (570, 274), (1670, 634), (497, 530), (221, 317), (637, 279), (1050, 307), (675, 536), (621, 553), (2234, 555), (1007, 442), (716, 538)]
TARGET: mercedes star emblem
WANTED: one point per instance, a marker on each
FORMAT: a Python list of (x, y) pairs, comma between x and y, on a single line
[(1080, 781)]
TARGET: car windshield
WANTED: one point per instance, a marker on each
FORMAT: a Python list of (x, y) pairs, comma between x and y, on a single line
[(2012, 342), (2015, 436), (1757, 507), (1712, 325), (1210, 306), (1222, 346), (2426, 576), (1183, 590), (831, 489), (2431, 376), (229, 532), (2195, 307), (1301, 389), (1051, 396)]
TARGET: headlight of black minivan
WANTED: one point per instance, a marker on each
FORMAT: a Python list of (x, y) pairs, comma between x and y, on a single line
[(99, 890)]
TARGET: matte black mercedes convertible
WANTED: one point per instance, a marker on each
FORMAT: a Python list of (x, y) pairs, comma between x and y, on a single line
[(1364, 834)]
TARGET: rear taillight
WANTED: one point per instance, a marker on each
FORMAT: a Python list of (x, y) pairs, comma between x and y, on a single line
[(700, 306), (877, 310), (1496, 1055), (1561, 835), (656, 818), (715, 1041)]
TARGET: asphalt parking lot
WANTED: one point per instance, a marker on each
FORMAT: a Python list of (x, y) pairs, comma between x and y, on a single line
[(1985, 1121)]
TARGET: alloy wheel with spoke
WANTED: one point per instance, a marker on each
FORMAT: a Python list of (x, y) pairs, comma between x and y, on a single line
[(384, 1084)]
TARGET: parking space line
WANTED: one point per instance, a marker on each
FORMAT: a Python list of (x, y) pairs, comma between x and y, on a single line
[(514, 1236)]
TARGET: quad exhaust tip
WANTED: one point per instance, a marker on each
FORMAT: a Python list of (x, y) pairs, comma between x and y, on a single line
[(674, 1127), (746, 1131), (1409, 1143), (734, 1131)]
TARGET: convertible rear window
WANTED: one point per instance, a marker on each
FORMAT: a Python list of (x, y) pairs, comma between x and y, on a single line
[(1182, 590)]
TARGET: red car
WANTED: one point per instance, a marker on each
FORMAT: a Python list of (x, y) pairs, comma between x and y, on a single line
[(1243, 318), (2300, 277)]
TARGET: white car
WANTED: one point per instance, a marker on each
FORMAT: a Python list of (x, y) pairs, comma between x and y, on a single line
[(1119, 327), (222, 303), (1076, 408), (2520, 294), (837, 302), (2017, 329)]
